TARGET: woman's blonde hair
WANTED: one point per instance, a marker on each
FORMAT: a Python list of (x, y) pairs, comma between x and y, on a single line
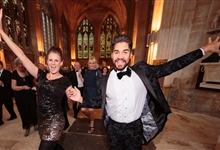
[(92, 59)]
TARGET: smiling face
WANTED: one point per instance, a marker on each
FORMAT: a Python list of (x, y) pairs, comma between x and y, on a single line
[(121, 55), (54, 62), (21, 67), (92, 63), (104, 70), (77, 66)]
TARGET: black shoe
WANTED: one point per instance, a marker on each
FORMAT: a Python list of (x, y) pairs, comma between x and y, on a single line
[(12, 118), (27, 132)]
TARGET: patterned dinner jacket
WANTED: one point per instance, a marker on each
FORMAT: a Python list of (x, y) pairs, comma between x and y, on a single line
[(156, 108)]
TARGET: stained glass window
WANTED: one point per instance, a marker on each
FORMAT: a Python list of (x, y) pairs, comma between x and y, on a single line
[(16, 21), (8, 18), (25, 26), (44, 32), (109, 31), (85, 40), (47, 24)]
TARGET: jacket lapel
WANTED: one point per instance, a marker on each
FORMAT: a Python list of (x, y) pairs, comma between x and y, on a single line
[(145, 80), (104, 86)]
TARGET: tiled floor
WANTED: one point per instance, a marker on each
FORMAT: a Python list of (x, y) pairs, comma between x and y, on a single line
[(183, 131)]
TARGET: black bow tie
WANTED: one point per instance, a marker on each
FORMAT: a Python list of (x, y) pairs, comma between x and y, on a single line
[(121, 74)]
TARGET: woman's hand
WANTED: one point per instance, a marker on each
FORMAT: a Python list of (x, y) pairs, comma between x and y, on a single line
[(74, 94), (25, 87), (34, 88)]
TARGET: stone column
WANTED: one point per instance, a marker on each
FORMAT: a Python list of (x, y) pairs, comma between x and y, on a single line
[(73, 47), (59, 35), (140, 30)]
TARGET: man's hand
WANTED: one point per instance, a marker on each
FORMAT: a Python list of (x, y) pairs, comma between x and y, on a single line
[(1, 83), (213, 47)]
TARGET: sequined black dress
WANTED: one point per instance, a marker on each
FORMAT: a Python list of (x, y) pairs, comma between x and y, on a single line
[(50, 114)]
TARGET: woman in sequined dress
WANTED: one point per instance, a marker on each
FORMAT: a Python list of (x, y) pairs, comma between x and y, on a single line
[(51, 88)]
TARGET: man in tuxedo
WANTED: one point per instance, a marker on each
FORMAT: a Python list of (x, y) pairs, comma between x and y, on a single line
[(79, 74), (134, 108), (6, 93)]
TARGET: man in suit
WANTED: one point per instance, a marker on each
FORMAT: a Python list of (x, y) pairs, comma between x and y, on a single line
[(79, 74), (134, 108), (65, 71), (6, 93)]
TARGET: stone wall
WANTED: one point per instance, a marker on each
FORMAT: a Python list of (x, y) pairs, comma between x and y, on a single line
[(185, 27)]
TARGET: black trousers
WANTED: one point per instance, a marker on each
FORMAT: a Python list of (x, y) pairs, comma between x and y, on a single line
[(124, 136), (8, 105), (76, 109)]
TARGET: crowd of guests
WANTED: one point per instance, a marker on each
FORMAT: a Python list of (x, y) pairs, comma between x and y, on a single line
[(21, 85)]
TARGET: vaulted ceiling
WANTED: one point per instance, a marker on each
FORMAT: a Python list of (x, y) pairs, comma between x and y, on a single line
[(75, 10)]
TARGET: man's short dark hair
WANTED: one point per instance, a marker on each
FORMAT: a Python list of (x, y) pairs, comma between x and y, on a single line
[(122, 38)]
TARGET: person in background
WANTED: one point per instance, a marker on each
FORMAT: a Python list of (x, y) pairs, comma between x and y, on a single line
[(134, 108), (83, 67), (50, 89), (103, 64), (79, 74), (65, 71), (71, 67), (24, 88), (6, 93), (105, 70), (91, 77)]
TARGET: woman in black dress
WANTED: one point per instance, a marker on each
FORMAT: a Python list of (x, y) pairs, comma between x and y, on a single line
[(51, 88), (25, 96)]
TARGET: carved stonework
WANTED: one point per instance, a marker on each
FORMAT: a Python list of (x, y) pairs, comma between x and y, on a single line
[(215, 23), (211, 78)]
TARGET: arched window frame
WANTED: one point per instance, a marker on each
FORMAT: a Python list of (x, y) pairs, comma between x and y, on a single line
[(48, 27), (85, 39), (109, 30), (16, 21)]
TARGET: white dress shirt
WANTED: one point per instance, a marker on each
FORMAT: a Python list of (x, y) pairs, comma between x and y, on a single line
[(0, 76), (80, 82), (125, 98), (1, 72)]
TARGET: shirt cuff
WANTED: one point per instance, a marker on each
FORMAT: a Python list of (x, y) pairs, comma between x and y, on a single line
[(202, 51)]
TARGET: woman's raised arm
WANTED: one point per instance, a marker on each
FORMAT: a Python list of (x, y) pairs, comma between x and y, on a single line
[(32, 69)]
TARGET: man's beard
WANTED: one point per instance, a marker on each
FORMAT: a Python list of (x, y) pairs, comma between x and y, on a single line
[(121, 69)]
